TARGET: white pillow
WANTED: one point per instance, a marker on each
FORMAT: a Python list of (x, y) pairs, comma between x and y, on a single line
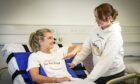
[(12, 65), (10, 48)]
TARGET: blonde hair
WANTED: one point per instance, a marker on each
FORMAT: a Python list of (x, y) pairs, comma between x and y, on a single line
[(35, 37)]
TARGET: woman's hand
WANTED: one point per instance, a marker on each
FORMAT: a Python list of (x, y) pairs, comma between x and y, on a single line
[(71, 65), (58, 80)]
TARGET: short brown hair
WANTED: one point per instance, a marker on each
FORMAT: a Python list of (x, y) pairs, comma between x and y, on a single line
[(105, 10)]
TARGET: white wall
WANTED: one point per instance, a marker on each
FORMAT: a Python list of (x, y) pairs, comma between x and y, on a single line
[(64, 12), (70, 33), (72, 19)]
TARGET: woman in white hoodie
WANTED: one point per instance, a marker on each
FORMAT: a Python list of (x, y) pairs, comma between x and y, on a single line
[(106, 46)]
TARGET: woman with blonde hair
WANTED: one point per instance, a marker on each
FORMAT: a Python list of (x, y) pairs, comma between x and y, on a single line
[(41, 43)]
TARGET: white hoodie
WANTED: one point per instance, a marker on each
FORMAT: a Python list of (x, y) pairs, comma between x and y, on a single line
[(107, 50)]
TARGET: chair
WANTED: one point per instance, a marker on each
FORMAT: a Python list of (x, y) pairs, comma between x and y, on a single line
[(124, 78), (22, 63), (21, 74), (14, 53)]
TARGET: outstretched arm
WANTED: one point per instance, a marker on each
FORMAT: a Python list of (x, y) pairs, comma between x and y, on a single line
[(72, 50)]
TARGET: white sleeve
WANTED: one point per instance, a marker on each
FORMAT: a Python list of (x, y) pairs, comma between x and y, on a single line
[(108, 56), (87, 43), (85, 51), (32, 62)]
